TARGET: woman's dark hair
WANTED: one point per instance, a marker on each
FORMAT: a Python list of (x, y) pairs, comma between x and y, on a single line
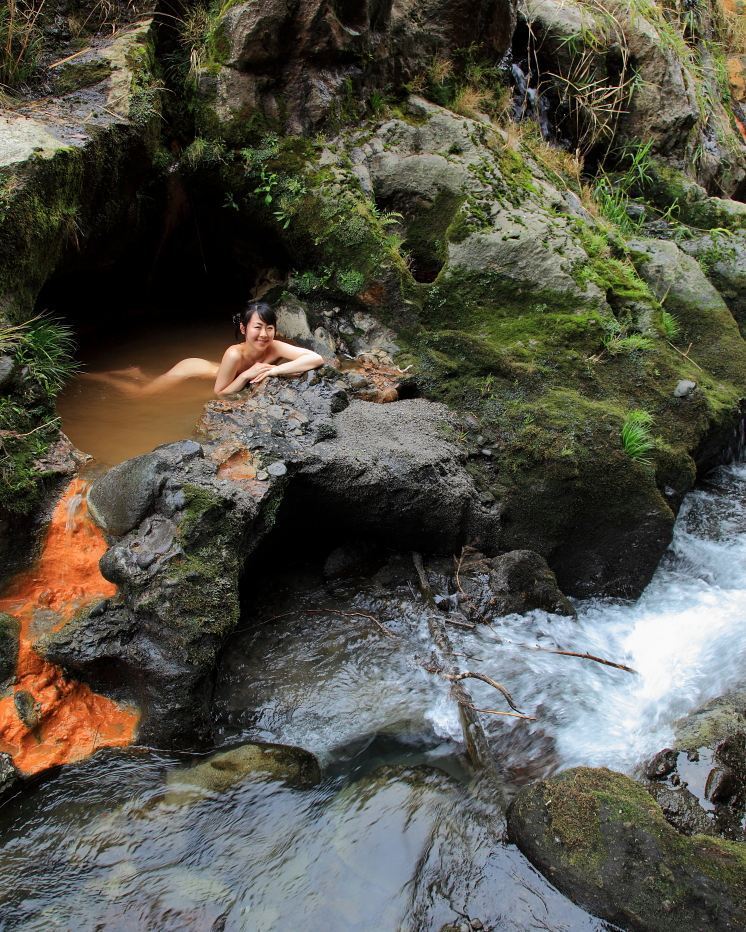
[(264, 311)]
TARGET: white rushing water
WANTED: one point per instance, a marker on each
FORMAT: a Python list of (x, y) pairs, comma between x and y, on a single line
[(685, 637)]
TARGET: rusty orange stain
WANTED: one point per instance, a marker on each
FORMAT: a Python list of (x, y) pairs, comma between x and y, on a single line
[(70, 721), (239, 466)]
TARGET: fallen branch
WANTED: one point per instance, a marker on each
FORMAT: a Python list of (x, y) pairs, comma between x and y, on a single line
[(62, 61), (685, 355), (459, 624), (572, 653), (11, 434), (528, 718), (469, 674)]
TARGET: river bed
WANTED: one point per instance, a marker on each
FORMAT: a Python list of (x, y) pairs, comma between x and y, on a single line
[(397, 835)]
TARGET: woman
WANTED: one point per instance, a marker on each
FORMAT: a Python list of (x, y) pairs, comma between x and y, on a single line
[(248, 362), (255, 358)]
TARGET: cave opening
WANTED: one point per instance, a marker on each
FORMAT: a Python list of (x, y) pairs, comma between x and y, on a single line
[(185, 255)]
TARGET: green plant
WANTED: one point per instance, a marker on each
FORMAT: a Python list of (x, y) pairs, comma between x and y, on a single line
[(637, 440), (350, 281), (267, 185), (21, 41), (670, 325), (44, 347), (618, 340)]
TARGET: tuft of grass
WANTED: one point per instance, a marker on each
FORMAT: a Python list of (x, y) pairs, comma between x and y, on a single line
[(637, 440), (670, 325), (21, 41), (469, 100), (45, 348)]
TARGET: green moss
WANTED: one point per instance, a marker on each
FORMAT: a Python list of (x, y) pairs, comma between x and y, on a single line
[(671, 191), (203, 510), (602, 823), (77, 75)]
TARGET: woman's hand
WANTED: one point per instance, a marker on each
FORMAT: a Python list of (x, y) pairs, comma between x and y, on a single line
[(263, 370)]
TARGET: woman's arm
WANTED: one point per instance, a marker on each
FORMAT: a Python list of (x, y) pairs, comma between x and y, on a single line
[(299, 360), (229, 380)]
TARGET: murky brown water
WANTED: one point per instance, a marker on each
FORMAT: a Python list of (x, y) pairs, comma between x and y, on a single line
[(103, 420)]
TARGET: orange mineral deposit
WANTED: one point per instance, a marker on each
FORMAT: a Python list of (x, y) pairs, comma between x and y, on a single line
[(49, 719)]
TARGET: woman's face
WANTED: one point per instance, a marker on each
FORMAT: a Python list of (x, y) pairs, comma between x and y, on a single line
[(257, 332)]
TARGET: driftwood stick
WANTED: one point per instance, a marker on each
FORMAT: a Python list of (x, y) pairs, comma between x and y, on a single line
[(469, 674), (573, 653), (475, 739), (528, 718)]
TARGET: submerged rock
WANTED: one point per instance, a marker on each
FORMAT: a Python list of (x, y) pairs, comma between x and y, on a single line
[(293, 766), (601, 839)]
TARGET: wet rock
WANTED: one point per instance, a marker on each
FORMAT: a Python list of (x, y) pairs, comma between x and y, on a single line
[(27, 708), (514, 582), (722, 785), (8, 775), (391, 472), (681, 809), (290, 765), (601, 839), (121, 498), (6, 369), (9, 631), (661, 765), (350, 560)]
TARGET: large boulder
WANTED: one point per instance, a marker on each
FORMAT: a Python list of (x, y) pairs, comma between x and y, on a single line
[(603, 841), (632, 75), (722, 256), (337, 56), (184, 519), (219, 772), (391, 470), (186, 536)]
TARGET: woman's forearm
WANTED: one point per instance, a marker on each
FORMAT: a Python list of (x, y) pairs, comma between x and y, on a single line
[(236, 385)]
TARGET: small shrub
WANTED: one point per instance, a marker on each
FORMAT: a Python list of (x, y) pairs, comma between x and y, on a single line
[(637, 441), (45, 347), (350, 281)]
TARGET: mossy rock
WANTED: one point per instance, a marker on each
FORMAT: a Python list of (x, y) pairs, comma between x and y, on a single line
[(603, 841), (670, 189)]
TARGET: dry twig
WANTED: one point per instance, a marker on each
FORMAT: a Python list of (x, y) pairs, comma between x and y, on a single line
[(469, 674), (528, 718), (573, 653)]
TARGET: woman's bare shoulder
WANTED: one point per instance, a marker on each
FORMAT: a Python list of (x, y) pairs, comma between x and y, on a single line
[(282, 350)]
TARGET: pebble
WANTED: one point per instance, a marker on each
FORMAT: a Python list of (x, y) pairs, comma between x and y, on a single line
[(684, 388), (262, 475), (486, 452), (277, 469)]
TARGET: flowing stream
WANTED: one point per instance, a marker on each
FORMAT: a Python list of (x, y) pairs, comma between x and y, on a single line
[(397, 835)]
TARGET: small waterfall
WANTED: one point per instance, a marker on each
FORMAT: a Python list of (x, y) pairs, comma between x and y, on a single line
[(73, 506), (685, 637)]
